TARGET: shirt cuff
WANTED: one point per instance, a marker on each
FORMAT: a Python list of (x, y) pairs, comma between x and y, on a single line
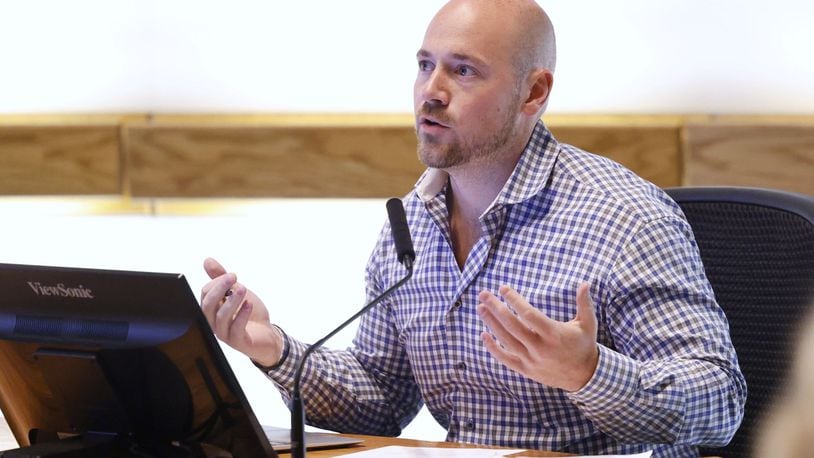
[(282, 373), (283, 355), (613, 384)]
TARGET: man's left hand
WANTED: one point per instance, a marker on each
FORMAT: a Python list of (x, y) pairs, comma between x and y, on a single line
[(554, 353)]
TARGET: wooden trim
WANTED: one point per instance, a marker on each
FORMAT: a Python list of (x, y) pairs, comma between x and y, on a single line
[(59, 159), (258, 161), (364, 155), (342, 156), (739, 153)]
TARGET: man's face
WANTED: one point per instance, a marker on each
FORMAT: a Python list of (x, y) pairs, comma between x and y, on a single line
[(466, 93)]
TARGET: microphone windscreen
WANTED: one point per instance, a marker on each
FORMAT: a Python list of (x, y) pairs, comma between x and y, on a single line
[(400, 230)]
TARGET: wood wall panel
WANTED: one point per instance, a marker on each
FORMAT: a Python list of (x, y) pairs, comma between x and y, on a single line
[(653, 152), (253, 161), (767, 155), (211, 160), (268, 155), (59, 159)]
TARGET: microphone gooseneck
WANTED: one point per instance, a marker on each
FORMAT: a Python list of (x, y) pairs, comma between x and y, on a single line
[(406, 255)]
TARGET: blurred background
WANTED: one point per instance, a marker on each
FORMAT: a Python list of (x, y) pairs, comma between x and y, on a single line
[(147, 135)]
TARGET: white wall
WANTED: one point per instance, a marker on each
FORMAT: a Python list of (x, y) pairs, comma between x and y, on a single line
[(633, 56)]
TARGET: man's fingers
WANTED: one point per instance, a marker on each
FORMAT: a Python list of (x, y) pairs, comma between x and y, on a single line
[(207, 287), (212, 298), (586, 314), (504, 357), (238, 328), (213, 268), (531, 317), (503, 324), (226, 313)]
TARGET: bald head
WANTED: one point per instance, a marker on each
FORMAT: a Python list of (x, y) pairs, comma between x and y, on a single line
[(523, 23), (485, 65)]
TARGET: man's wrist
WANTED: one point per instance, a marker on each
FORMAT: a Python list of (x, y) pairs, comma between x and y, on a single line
[(587, 374), (283, 355)]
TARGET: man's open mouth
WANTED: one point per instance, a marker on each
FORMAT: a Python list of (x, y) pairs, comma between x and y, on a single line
[(430, 122)]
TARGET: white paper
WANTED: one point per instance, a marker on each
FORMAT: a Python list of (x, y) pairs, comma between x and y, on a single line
[(395, 451), (635, 455)]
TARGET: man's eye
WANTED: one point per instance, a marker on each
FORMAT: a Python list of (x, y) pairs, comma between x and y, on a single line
[(465, 70), (424, 65)]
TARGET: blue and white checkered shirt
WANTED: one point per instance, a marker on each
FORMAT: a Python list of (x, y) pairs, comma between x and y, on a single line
[(667, 379)]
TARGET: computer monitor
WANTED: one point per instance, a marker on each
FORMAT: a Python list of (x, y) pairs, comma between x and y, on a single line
[(116, 363)]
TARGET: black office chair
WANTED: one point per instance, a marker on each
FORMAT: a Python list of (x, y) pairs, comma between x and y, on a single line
[(757, 246)]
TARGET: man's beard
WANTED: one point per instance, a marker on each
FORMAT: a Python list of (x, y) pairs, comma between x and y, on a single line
[(459, 152)]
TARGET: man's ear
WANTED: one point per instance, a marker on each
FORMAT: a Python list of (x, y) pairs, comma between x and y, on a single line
[(540, 82)]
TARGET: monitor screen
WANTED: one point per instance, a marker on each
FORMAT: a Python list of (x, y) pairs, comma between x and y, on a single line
[(115, 360)]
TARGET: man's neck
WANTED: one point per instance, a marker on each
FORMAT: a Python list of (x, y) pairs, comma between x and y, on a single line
[(474, 186), (472, 189), (470, 193)]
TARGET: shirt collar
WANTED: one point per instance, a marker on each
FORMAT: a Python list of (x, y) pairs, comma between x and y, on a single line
[(529, 177)]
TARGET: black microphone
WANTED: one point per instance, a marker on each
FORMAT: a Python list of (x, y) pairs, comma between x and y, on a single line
[(400, 231), (404, 249)]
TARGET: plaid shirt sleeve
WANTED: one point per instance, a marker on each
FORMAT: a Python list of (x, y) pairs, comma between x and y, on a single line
[(367, 390), (671, 370)]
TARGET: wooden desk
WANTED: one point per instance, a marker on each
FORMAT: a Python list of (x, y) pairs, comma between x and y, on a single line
[(370, 442)]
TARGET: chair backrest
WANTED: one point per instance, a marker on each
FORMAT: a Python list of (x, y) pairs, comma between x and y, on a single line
[(757, 246)]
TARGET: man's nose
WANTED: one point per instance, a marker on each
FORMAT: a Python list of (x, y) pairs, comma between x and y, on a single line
[(435, 90)]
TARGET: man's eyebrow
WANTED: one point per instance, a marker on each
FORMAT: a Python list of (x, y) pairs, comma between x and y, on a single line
[(468, 58), (455, 56)]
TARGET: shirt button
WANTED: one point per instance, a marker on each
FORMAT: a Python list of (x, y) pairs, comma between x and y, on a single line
[(457, 304), (469, 425), (461, 366)]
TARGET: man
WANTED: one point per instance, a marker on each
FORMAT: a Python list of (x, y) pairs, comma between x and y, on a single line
[(788, 428), (609, 340)]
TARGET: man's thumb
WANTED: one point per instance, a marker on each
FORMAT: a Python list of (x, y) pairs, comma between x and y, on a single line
[(585, 306), (213, 268)]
